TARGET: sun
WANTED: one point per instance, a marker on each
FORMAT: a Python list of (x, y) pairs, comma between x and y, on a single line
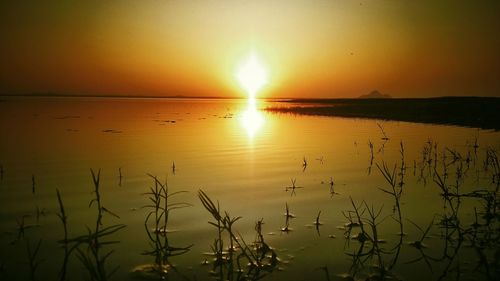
[(252, 75)]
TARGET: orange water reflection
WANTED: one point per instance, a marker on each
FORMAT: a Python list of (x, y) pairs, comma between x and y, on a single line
[(251, 118)]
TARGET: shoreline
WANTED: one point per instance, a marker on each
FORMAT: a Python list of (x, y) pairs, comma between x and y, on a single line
[(475, 112)]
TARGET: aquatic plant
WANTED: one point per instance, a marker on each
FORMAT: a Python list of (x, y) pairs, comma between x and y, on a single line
[(260, 259), (33, 260), (367, 218), (33, 183), (67, 251), (372, 157), (120, 176), (90, 247), (292, 187), (160, 207)]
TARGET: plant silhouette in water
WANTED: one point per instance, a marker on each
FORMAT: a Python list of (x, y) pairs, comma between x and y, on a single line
[(483, 234), (239, 261), (160, 207), (33, 261), (367, 218), (288, 217), (448, 172), (90, 247), (292, 187), (396, 183), (65, 243)]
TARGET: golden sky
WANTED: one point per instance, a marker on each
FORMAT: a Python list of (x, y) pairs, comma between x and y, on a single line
[(311, 48)]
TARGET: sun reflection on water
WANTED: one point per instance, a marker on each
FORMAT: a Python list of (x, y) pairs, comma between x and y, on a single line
[(252, 75), (252, 119)]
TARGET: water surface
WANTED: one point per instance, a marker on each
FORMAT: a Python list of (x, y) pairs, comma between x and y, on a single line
[(246, 159)]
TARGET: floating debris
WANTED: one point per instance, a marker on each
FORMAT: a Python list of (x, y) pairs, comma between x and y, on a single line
[(286, 229), (351, 224), (67, 117), (165, 121), (345, 276), (112, 131), (150, 271), (163, 231)]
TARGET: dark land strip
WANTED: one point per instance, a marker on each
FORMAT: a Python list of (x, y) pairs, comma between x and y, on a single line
[(476, 112)]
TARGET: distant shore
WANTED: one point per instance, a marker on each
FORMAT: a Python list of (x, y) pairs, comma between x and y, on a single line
[(477, 112)]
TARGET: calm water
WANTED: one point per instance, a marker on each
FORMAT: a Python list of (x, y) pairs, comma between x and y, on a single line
[(245, 159)]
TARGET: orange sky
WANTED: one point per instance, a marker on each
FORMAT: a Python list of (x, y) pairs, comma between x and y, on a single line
[(311, 48)]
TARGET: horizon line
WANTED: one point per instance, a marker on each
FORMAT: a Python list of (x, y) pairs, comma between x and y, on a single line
[(48, 95)]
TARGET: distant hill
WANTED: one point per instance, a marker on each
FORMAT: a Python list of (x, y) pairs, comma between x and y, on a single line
[(374, 95)]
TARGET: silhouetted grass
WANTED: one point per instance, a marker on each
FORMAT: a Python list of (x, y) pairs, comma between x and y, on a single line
[(160, 207), (241, 261), (33, 260), (67, 251), (478, 112), (90, 247)]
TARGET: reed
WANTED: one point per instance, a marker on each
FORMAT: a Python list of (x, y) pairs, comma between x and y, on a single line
[(33, 184), (288, 217), (372, 157), (120, 176), (65, 243), (317, 223), (33, 260), (160, 207), (395, 190), (260, 259), (420, 246), (92, 256), (384, 135), (292, 187)]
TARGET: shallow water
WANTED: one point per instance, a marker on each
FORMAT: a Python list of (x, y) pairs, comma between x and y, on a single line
[(245, 159)]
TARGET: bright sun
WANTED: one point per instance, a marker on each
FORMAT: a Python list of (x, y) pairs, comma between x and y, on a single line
[(252, 75)]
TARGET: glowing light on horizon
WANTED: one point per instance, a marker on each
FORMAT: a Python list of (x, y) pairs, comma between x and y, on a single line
[(252, 75)]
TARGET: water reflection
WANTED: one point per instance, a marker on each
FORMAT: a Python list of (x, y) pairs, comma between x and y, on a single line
[(252, 119), (455, 175)]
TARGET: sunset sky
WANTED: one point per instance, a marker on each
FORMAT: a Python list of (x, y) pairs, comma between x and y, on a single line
[(310, 48)]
